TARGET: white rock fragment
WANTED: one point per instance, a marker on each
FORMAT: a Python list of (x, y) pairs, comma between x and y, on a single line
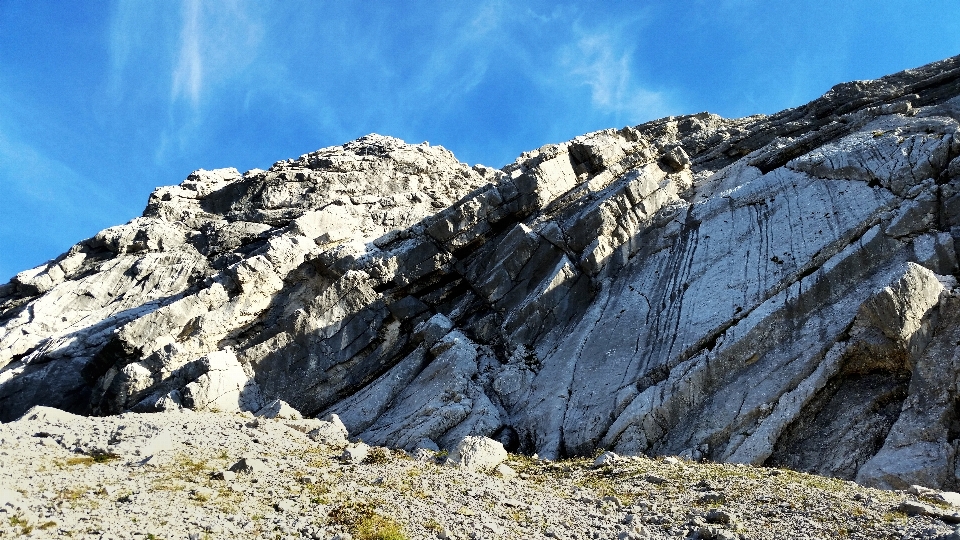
[(330, 431), (355, 453), (279, 409), (606, 458), (478, 453), (506, 471), (227, 475)]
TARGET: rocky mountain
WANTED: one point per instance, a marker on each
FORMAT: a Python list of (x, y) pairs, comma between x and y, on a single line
[(775, 290)]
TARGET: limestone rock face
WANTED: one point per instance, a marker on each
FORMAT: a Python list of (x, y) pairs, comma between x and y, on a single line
[(771, 290)]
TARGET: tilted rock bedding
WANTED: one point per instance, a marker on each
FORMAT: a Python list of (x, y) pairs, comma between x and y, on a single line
[(772, 290), (184, 475)]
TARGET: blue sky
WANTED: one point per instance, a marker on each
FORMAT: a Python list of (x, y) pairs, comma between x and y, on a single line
[(101, 102)]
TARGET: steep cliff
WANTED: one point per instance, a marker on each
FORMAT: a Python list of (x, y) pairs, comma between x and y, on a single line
[(769, 290)]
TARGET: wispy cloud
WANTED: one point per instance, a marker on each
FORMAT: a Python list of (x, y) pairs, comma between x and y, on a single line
[(217, 41), (605, 63), (197, 48), (462, 53), (188, 72), (127, 31)]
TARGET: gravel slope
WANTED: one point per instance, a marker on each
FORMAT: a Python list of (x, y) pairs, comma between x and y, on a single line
[(153, 476)]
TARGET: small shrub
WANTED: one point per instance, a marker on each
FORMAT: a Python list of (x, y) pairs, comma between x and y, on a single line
[(366, 524), (939, 503), (190, 465), (519, 515), (377, 455), (71, 494), (97, 457), (894, 516), (25, 527), (104, 457), (433, 525), (377, 527), (349, 513)]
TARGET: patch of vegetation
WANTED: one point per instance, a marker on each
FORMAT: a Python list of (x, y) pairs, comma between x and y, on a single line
[(190, 465), (315, 457), (378, 527), (25, 527), (319, 492), (365, 523), (97, 457), (378, 455), (167, 485), (349, 513), (71, 494), (519, 515), (433, 525), (522, 463), (602, 483), (939, 503), (894, 516), (46, 525)]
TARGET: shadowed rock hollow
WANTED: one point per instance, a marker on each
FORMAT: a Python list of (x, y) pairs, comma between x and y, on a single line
[(773, 290)]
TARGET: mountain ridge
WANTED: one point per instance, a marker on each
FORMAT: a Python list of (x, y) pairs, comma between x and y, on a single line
[(769, 290)]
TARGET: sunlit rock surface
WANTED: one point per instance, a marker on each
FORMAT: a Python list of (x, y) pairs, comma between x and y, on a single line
[(771, 290)]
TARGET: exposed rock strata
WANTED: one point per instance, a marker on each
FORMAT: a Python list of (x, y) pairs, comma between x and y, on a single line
[(769, 290)]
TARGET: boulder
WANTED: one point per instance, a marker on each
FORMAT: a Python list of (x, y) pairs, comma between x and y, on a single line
[(478, 454), (330, 432), (355, 453), (280, 410), (249, 465), (224, 386)]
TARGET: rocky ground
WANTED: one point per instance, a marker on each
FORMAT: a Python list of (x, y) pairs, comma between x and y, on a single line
[(168, 475)]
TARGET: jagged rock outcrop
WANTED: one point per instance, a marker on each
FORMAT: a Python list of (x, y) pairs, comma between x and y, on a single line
[(771, 290)]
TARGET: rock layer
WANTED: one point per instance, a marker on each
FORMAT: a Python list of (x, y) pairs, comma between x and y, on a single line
[(771, 290)]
